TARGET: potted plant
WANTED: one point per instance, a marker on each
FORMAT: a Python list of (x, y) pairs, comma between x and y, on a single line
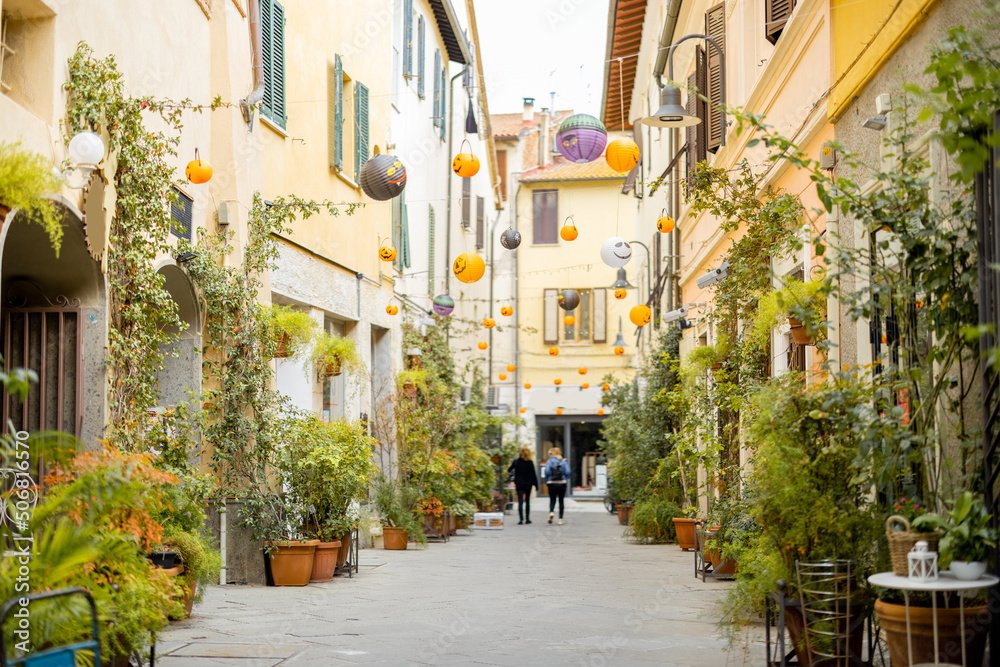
[(705, 357), (968, 538), (201, 563), (463, 511), (398, 523), (651, 520), (684, 527), (803, 304), (291, 330), (331, 354)]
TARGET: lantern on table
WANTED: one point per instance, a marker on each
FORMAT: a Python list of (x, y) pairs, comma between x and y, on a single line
[(923, 563)]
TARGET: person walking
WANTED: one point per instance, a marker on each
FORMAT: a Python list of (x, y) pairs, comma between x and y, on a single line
[(557, 477), (523, 469)]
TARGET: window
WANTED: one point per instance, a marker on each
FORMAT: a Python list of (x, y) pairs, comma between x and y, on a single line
[(339, 92), (360, 129), (776, 15), (545, 211), (502, 168), (272, 22), (589, 318), (333, 387), (400, 232), (421, 65), (407, 38), (466, 203), (181, 211), (480, 222), (440, 73)]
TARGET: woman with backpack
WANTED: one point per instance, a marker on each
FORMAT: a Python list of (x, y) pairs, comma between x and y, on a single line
[(557, 477), (523, 472)]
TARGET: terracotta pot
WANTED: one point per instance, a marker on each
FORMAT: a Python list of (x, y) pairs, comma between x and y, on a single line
[(345, 549), (796, 632), (282, 349), (624, 514), (332, 369), (433, 524), (685, 532), (395, 538), (452, 524), (325, 561), (798, 332), (892, 620), (292, 562)]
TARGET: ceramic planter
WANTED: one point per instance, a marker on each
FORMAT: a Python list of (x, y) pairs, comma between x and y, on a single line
[(685, 532), (892, 620), (163, 559), (967, 570), (292, 562), (394, 538), (325, 561)]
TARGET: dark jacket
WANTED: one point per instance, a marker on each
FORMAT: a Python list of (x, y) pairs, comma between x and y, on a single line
[(524, 473)]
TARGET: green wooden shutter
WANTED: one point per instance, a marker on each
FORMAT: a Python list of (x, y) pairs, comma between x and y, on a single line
[(360, 128), (444, 93), (397, 226), (278, 75), (431, 242), (404, 233), (437, 88), (421, 65), (407, 37), (266, 10), (338, 113)]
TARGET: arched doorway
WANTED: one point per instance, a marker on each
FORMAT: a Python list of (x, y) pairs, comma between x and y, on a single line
[(182, 358), (53, 321)]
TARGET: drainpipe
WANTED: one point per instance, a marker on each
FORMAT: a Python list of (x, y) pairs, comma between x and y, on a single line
[(247, 103), (666, 38), (447, 226), (493, 277), (222, 545), (517, 309)]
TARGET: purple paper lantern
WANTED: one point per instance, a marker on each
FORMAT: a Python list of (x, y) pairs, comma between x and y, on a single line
[(581, 138), (443, 305)]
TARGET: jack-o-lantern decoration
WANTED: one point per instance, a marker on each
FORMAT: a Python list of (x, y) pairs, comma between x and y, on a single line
[(585, 385), (483, 345), (510, 239), (198, 171), (489, 322), (569, 232), (640, 315), (581, 138), (619, 350), (665, 224), (383, 177), (469, 267), (506, 311), (569, 299), (569, 320), (621, 293), (511, 368), (558, 411), (502, 376), (465, 165), (622, 155), (606, 387), (582, 371), (387, 253), (522, 410), (443, 305), (616, 252), (553, 350), (600, 413), (527, 385), (557, 381), (392, 309)]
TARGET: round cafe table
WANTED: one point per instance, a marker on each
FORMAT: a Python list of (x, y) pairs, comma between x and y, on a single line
[(946, 583)]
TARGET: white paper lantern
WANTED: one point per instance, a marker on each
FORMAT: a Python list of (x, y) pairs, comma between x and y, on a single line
[(923, 563), (616, 252)]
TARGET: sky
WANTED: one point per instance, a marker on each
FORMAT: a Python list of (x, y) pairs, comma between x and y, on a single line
[(531, 48)]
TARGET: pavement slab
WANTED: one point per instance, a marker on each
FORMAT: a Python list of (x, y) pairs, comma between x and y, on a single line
[(539, 594)]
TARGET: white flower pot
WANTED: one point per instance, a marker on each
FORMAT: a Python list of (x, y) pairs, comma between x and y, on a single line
[(967, 570)]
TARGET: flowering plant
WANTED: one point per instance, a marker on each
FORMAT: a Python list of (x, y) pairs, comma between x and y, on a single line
[(909, 508)]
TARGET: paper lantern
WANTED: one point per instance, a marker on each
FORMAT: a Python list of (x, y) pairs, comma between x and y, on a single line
[(469, 267), (489, 322), (581, 138), (558, 411), (606, 386), (483, 345), (621, 293), (502, 376), (619, 350), (622, 155), (569, 320), (383, 177), (616, 252), (510, 239), (665, 224), (527, 385), (600, 412), (582, 371), (465, 165), (506, 311), (511, 368), (585, 385), (554, 351), (198, 171), (387, 253), (569, 299), (443, 305), (557, 381), (568, 232), (640, 315), (522, 410), (392, 309)]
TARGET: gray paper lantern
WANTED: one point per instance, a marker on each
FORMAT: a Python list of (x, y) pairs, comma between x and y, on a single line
[(383, 177), (569, 299), (510, 239)]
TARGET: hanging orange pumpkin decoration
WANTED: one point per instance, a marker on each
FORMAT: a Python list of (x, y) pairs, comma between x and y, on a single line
[(198, 171), (469, 267), (465, 165), (600, 412), (569, 232), (582, 371), (585, 385), (622, 155), (553, 351), (392, 309), (558, 411), (483, 345), (527, 385), (506, 311), (665, 223), (621, 293), (606, 386), (511, 368), (387, 253), (619, 350), (502, 376), (557, 381), (569, 320), (489, 322), (640, 315), (522, 410)]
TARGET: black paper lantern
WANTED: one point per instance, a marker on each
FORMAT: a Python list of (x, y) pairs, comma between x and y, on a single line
[(383, 177), (510, 239), (569, 299)]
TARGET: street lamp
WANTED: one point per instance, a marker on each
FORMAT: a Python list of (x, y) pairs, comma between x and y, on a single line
[(649, 275), (622, 282), (671, 113), (86, 150)]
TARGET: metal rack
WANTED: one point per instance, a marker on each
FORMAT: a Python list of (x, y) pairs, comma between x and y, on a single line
[(350, 565)]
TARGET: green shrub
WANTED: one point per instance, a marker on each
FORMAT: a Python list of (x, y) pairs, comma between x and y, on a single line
[(652, 521)]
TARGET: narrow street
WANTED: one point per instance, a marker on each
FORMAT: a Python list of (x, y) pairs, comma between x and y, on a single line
[(577, 594)]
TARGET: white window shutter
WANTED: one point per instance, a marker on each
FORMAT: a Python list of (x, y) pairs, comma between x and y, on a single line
[(600, 315), (551, 333)]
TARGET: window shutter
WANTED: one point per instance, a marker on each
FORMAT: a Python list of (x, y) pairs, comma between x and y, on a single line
[(404, 232), (337, 131), (502, 168), (437, 88), (466, 202), (181, 211), (273, 37), (360, 128), (715, 27), (551, 319), (480, 223), (421, 65), (266, 104), (776, 15), (431, 242), (397, 231), (444, 94), (695, 106), (545, 213), (600, 315), (407, 37)]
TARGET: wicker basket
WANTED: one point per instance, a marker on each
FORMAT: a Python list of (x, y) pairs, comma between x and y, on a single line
[(901, 541)]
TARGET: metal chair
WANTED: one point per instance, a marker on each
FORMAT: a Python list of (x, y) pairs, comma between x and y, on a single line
[(58, 656)]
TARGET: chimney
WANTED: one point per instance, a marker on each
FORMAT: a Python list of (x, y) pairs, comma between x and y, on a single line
[(529, 113), (544, 152)]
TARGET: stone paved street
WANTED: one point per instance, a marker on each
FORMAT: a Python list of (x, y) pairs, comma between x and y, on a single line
[(576, 594)]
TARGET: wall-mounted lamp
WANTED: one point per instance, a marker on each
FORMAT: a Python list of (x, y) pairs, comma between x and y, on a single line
[(185, 257), (86, 150), (875, 123)]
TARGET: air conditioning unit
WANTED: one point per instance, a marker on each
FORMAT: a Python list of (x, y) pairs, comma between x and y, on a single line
[(465, 395), (493, 397)]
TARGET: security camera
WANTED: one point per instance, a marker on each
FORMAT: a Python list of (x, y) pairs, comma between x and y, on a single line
[(713, 276), (675, 315)]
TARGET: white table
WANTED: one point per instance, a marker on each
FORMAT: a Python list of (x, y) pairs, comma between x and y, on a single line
[(946, 583)]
